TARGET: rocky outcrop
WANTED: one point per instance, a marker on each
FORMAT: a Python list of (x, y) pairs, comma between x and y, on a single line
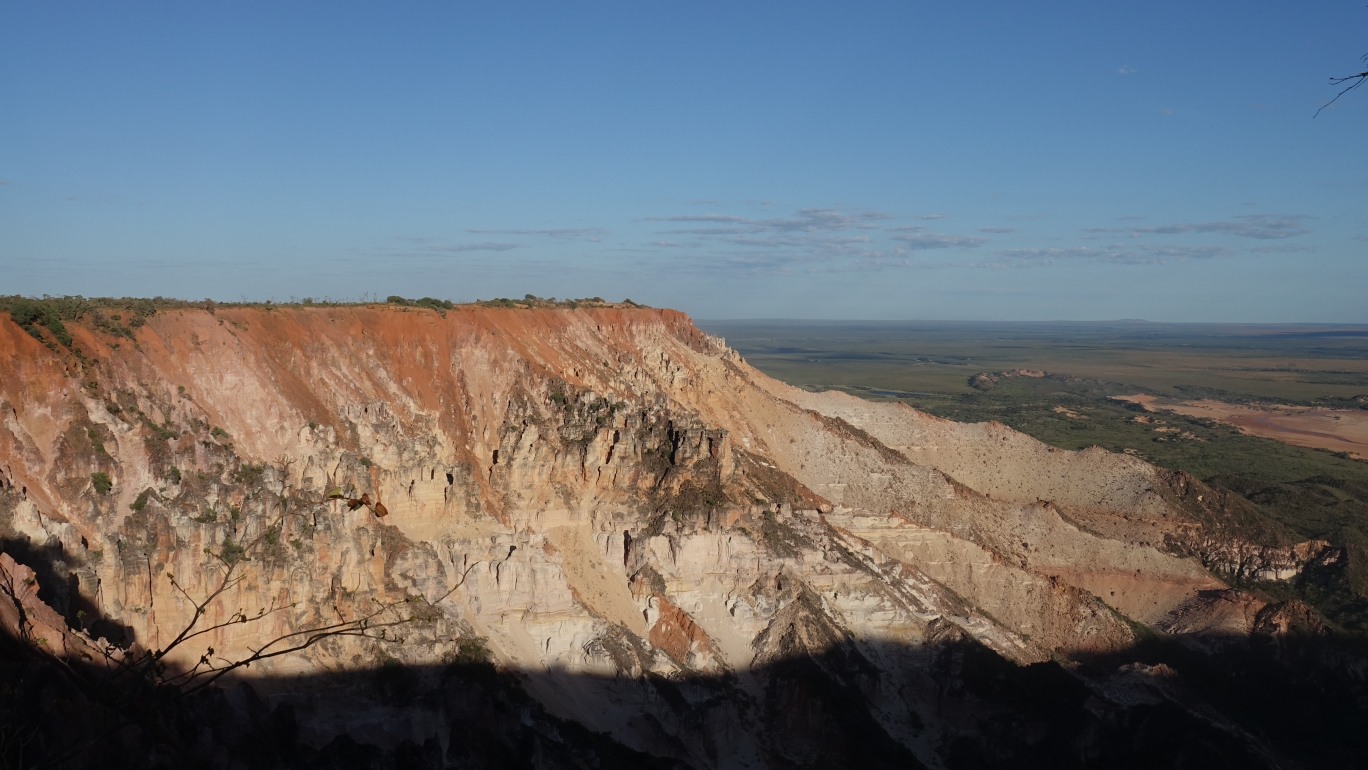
[(667, 546)]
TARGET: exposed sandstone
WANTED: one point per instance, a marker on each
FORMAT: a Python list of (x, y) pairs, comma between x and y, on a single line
[(597, 493)]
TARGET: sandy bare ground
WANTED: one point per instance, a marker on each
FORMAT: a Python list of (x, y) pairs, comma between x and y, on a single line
[(1339, 430)]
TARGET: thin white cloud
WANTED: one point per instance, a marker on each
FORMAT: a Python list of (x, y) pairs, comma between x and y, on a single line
[(920, 241), (436, 245), (486, 246), (806, 220), (803, 241), (700, 218), (1185, 252), (1118, 253), (707, 231), (1126, 71), (594, 234), (1261, 226), (1077, 252), (815, 241), (824, 240), (812, 240)]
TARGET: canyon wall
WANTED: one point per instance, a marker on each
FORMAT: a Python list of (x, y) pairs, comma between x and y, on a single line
[(653, 535)]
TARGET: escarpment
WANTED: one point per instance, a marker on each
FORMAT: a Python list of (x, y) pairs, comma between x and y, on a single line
[(695, 564)]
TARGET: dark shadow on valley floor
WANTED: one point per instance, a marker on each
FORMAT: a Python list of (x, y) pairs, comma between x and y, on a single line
[(1289, 701)]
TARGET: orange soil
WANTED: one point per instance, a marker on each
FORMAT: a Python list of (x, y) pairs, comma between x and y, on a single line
[(1339, 430)]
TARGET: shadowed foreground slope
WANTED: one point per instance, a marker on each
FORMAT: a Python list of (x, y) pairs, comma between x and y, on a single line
[(1268, 702)]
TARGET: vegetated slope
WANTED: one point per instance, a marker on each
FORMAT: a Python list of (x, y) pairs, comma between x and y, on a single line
[(604, 517)]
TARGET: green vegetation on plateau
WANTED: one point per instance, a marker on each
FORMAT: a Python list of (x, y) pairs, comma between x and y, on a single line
[(1075, 413), (120, 316)]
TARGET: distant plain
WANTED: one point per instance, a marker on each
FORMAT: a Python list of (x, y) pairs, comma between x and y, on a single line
[(1292, 363), (1065, 383)]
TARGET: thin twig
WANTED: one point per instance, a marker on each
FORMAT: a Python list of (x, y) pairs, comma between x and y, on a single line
[(1358, 79), (145, 672)]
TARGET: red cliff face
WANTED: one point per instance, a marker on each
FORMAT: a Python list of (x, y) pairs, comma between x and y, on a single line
[(604, 492)]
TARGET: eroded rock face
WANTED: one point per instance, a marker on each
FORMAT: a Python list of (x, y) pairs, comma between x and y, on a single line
[(670, 547)]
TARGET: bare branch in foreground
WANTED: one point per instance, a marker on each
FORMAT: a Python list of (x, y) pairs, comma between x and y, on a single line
[(131, 682)]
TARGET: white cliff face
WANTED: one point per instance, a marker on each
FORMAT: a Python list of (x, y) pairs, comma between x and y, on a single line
[(604, 496)]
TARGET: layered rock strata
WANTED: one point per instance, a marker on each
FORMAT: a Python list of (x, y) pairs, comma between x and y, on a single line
[(655, 536)]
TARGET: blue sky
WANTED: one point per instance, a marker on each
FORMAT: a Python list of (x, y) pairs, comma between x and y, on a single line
[(996, 161)]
